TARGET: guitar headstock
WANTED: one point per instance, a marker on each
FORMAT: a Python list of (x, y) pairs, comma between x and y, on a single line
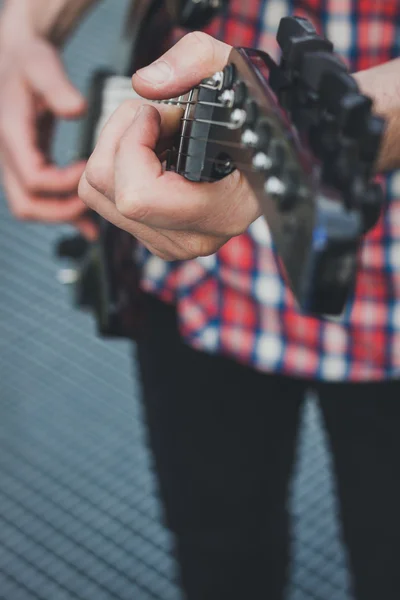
[(306, 139)]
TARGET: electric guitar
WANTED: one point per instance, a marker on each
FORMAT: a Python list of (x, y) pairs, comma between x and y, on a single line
[(306, 140)]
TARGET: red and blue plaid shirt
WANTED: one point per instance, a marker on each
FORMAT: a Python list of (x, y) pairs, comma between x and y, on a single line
[(234, 302)]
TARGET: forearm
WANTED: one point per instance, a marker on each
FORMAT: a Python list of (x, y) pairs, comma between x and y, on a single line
[(53, 19), (382, 83)]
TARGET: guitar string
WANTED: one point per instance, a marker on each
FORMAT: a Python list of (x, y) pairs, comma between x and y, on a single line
[(190, 102), (238, 145), (240, 165), (227, 124)]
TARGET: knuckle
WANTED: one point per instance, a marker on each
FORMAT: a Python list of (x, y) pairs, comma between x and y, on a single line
[(159, 252), (83, 189), (95, 174), (163, 254), (196, 246), (203, 44), (183, 254), (123, 203), (206, 247), (130, 206)]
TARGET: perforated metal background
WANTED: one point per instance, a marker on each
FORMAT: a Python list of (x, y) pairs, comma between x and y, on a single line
[(79, 517)]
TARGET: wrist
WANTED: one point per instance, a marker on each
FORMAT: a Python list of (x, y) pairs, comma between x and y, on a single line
[(382, 84)]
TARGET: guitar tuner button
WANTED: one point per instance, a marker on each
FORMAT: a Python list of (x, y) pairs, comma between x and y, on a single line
[(214, 82), (227, 98), (261, 162), (249, 138), (238, 117), (218, 79), (372, 206), (284, 191), (275, 187)]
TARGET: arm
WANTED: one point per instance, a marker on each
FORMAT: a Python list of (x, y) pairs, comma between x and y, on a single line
[(382, 84)]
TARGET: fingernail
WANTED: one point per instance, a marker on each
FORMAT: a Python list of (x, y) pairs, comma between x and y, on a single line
[(158, 72)]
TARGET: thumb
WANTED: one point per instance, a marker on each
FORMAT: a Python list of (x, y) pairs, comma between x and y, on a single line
[(46, 75), (194, 57)]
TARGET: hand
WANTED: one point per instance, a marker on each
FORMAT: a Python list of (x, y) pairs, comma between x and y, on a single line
[(34, 90), (124, 180)]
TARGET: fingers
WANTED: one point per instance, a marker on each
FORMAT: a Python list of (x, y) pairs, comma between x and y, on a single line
[(193, 58), (18, 144), (34, 87), (100, 167), (46, 75), (176, 219), (168, 245), (146, 194), (50, 209), (100, 204)]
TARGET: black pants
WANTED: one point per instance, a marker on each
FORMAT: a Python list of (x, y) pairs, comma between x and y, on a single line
[(223, 438)]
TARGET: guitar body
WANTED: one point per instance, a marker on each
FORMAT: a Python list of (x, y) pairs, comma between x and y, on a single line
[(106, 280)]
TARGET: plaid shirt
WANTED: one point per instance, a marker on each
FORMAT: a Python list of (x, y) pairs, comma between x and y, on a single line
[(234, 302)]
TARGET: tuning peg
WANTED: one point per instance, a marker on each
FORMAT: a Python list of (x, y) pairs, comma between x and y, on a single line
[(261, 162), (371, 140), (296, 36), (284, 190), (335, 83), (343, 166), (316, 65), (372, 204), (294, 27), (353, 114), (339, 95)]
